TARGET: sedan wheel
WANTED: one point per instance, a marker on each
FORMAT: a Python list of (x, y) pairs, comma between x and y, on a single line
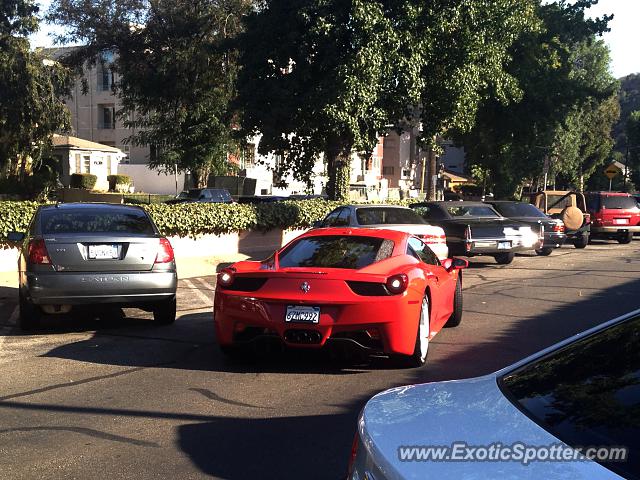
[(544, 251), (29, 314), (504, 258), (164, 313)]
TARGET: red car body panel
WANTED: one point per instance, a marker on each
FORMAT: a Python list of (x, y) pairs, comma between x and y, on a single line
[(609, 221), (342, 311)]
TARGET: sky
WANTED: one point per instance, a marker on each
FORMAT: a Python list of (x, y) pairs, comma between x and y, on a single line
[(623, 39)]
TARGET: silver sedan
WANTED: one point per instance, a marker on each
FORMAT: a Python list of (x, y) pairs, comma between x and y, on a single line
[(570, 412), (87, 253)]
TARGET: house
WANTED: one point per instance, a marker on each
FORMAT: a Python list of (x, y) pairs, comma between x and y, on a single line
[(77, 155)]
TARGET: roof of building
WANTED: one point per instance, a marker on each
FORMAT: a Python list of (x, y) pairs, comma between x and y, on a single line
[(456, 177), (66, 141)]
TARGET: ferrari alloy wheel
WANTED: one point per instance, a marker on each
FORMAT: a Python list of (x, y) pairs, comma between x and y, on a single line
[(421, 349)]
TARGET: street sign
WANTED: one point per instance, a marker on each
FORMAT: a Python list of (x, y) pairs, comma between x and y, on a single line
[(611, 171)]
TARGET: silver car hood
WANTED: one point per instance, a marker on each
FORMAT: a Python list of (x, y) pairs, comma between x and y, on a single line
[(473, 411)]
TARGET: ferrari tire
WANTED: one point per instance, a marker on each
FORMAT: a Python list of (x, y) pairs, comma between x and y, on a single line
[(625, 238), (456, 317), (504, 258), (164, 313), (581, 242), (29, 314), (544, 252), (232, 352), (419, 356)]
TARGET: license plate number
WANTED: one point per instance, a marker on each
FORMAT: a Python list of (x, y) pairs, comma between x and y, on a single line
[(302, 314), (102, 252), (504, 245), (621, 221)]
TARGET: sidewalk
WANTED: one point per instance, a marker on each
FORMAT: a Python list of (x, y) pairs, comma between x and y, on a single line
[(188, 267)]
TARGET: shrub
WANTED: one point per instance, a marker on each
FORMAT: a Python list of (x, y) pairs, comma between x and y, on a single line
[(15, 217), (116, 181), (86, 181)]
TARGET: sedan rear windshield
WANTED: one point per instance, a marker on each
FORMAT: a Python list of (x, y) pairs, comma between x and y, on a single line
[(619, 202), (518, 210), (117, 221), (471, 211), (380, 216), (588, 393), (333, 251)]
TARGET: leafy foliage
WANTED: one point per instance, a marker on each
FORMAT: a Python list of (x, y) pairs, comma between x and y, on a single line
[(15, 216), (32, 92), (175, 69)]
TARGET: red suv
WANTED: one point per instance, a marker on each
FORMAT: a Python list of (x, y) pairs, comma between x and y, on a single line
[(614, 215)]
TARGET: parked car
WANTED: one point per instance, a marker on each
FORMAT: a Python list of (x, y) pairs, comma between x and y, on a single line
[(262, 199), (553, 228), (381, 292), (614, 215), (391, 217), (89, 254), (571, 208), (554, 407), (475, 228), (203, 195)]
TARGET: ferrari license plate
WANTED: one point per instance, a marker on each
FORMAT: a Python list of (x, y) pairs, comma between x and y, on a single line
[(504, 245), (102, 252), (302, 314)]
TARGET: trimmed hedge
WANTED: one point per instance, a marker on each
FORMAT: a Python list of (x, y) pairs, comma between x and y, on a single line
[(194, 219), (118, 180), (86, 181)]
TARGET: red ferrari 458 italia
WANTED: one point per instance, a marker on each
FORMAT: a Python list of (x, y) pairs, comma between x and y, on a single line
[(381, 291)]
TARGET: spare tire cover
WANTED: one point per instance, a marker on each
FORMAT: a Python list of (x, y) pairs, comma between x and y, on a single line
[(572, 218)]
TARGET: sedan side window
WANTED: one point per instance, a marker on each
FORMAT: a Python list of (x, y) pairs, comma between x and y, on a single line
[(422, 250), (331, 218), (344, 220)]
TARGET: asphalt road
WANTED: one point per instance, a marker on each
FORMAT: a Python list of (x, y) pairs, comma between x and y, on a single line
[(119, 398)]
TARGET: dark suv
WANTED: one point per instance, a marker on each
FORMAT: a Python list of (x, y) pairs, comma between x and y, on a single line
[(614, 215)]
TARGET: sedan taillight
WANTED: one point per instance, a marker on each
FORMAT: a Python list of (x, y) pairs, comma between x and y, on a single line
[(558, 227), (165, 251), (38, 254)]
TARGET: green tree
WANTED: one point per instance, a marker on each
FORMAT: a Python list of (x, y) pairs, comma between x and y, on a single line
[(32, 92), (560, 70), (632, 150), (175, 72), (328, 77)]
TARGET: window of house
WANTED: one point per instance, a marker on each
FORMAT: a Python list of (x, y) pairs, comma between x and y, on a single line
[(249, 155), (388, 170), (86, 164), (106, 116), (108, 164), (78, 163), (406, 172)]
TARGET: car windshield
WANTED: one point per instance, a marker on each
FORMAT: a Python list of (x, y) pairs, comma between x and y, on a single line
[(195, 194), (619, 202), (116, 221), (333, 251), (588, 393), (518, 210), (379, 216), (471, 211)]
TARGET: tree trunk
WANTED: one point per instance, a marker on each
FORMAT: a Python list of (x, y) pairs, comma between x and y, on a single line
[(432, 185), (339, 170)]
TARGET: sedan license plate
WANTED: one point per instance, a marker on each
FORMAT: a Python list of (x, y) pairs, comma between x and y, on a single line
[(621, 221), (485, 244), (302, 314), (504, 245), (102, 252)]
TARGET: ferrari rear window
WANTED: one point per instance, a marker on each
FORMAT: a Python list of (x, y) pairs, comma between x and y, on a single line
[(334, 251)]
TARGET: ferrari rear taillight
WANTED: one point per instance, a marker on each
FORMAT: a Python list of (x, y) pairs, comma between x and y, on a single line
[(397, 283), (38, 254), (225, 278), (433, 238), (165, 251)]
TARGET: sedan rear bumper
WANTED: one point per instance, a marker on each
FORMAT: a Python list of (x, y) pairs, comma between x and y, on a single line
[(87, 288)]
